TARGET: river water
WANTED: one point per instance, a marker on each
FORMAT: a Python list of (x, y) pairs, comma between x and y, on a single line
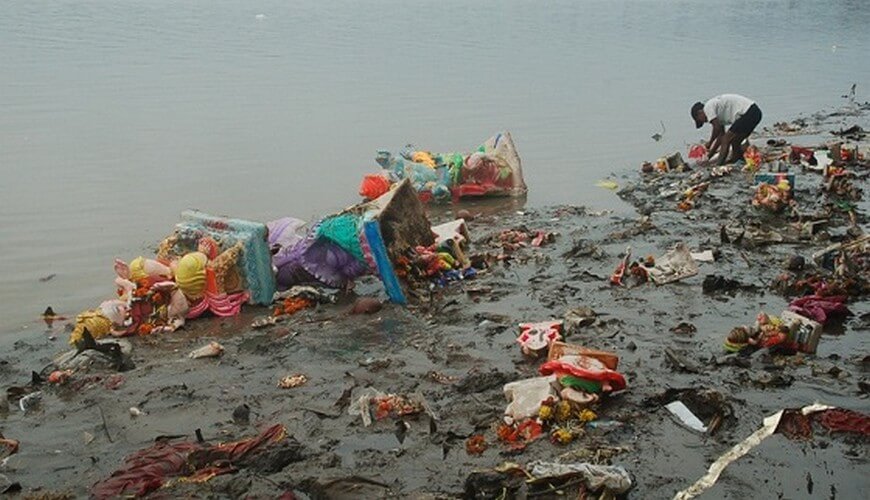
[(117, 115)]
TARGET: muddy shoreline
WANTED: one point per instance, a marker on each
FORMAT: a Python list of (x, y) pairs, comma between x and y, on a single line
[(466, 336)]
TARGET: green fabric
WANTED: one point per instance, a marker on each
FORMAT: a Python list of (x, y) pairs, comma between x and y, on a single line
[(734, 346), (454, 163), (584, 385), (343, 230), (845, 206)]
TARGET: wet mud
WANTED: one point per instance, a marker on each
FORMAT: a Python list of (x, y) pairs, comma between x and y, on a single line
[(456, 347)]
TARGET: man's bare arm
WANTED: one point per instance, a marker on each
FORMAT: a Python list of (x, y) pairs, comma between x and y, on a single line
[(715, 137)]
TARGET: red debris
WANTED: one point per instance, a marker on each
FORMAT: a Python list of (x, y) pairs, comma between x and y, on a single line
[(519, 435), (149, 469), (8, 447), (114, 382), (373, 186), (59, 376), (840, 420), (795, 425), (475, 445)]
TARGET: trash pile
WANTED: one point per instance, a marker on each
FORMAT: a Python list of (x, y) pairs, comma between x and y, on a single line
[(444, 261), (541, 478), (560, 402), (434, 375), (494, 169), (781, 213)]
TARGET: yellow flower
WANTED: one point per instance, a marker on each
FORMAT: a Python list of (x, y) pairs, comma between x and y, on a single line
[(545, 413), (586, 415), (562, 436), (563, 411)]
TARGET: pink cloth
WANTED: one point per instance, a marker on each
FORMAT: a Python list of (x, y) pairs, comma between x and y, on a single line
[(220, 304)]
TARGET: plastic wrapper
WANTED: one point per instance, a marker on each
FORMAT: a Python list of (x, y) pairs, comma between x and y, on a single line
[(526, 396), (612, 477)]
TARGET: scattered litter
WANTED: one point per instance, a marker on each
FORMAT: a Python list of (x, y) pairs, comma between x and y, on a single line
[(559, 350), (526, 395), (577, 318), (30, 402), (684, 328), (658, 135), (211, 350), (685, 416), (705, 256), (709, 479), (475, 445), (800, 198), (165, 463), (242, 414), (675, 265), (680, 362), (614, 478), (441, 378), (373, 403), (494, 169), (818, 308), (290, 306), (535, 338), (8, 447), (59, 377), (291, 381), (519, 434)]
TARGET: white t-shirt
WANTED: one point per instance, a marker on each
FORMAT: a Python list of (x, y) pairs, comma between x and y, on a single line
[(727, 108)]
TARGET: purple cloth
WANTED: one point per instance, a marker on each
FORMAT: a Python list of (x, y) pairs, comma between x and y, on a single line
[(819, 308), (315, 259), (332, 265), (283, 236)]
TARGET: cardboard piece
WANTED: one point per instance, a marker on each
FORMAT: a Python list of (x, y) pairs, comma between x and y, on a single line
[(393, 224), (803, 332)]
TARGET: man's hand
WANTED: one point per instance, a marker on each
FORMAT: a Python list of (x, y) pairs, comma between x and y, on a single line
[(715, 137)]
